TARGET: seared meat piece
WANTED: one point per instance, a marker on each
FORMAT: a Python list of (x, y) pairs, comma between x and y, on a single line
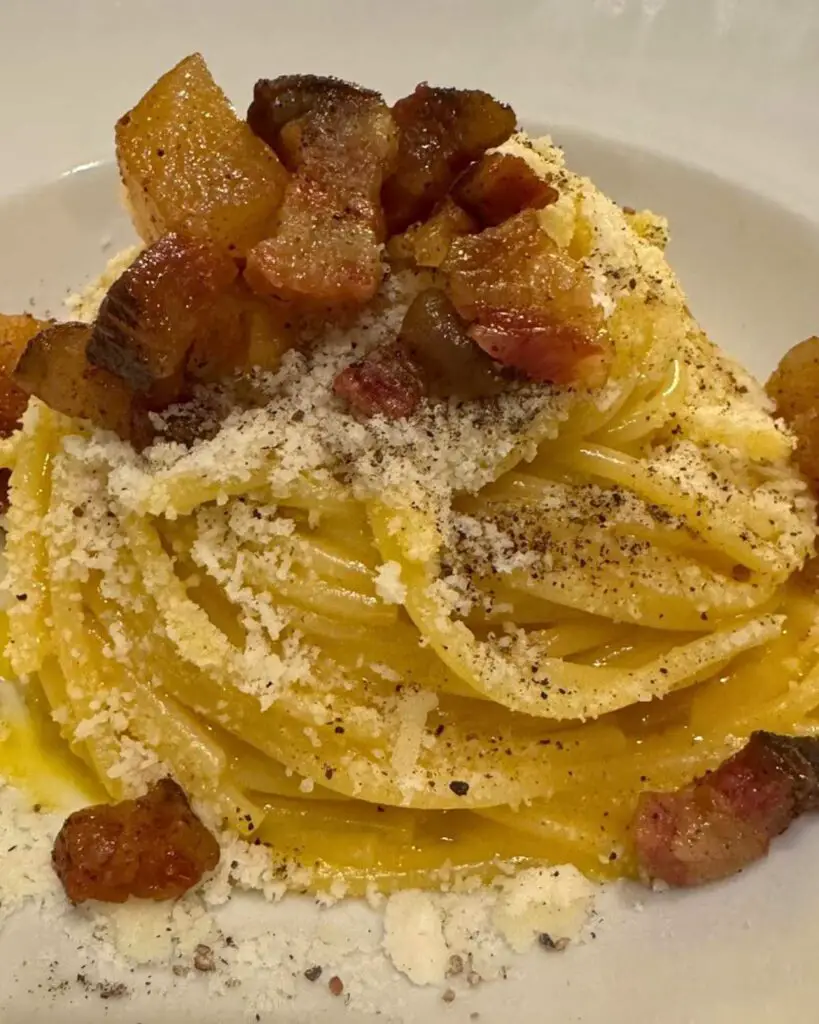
[(451, 364), (154, 848), (325, 250), (175, 294), (385, 382), (726, 819), (493, 190), (189, 163), (433, 355), (15, 334), (55, 368), (281, 104), (441, 132), (499, 186), (794, 387), (427, 243), (530, 304)]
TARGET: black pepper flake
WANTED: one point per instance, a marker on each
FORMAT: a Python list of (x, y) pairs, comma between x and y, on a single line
[(313, 973), (459, 788), (547, 942), (204, 959), (112, 990)]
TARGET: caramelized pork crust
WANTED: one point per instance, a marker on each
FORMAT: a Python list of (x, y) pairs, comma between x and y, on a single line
[(54, 366), (441, 131), (427, 243), (433, 355), (530, 305), (154, 848), (171, 296), (726, 819), (326, 249), (499, 186), (386, 382), (15, 334), (794, 388)]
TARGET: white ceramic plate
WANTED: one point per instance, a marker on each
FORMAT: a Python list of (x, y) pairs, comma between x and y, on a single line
[(706, 110)]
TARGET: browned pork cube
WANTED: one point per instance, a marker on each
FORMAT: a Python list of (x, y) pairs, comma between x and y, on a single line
[(441, 131), (499, 186), (154, 848), (178, 293), (189, 163), (15, 333), (427, 242), (325, 252), (794, 387), (54, 367), (530, 304)]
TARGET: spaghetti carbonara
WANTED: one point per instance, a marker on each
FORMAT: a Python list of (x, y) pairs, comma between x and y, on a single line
[(399, 650)]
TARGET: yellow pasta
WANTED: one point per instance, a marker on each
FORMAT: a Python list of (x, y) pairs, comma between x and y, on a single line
[(394, 651)]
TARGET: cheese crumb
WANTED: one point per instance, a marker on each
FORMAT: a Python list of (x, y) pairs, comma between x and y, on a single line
[(551, 901), (388, 583), (414, 937)]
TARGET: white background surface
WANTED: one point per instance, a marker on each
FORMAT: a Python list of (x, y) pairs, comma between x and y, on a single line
[(706, 109), (730, 85)]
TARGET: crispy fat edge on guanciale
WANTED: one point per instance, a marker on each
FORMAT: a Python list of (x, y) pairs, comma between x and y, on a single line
[(54, 366), (16, 331), (530, 305), (432, 356)]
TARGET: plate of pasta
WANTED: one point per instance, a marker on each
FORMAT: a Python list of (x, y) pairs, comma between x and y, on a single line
[(405, 579)]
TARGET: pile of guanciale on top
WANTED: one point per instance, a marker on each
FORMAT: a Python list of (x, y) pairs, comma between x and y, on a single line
[(255, 228)]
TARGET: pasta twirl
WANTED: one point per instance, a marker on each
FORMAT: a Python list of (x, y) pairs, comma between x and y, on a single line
[(391, 650)]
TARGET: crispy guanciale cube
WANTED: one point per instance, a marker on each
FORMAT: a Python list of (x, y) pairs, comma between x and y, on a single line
[(427, 243), (441, 131), (433, 355), (154, 848), (178, 293), (500, 185), (529, 304), (794, 388), (190, 163), (725, 819), (54, 367), (325, 252), (452, 365), (386, 382), (15, 333)]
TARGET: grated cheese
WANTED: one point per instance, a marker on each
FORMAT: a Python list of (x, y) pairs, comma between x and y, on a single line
[(388, 583), (445, 940)]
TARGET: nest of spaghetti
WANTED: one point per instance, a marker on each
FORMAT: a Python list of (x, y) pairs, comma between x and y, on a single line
[(390, 500)]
